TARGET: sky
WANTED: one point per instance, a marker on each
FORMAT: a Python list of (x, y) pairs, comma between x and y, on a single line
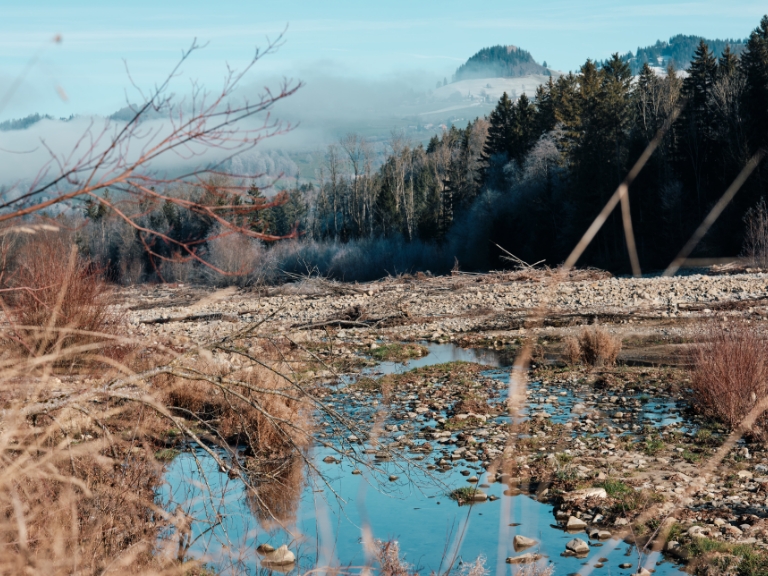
[(82, 56)]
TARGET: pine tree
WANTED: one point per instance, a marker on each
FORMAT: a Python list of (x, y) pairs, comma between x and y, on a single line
[(697, 126), (755, 65), (496, 149)]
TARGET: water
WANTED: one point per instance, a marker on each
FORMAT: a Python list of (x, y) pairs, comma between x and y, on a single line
[(322, 519)]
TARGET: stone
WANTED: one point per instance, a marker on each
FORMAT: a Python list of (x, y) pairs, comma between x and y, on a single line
[(265, 548), (329, 460), (522, 542), (478, 496), (643, 572), (577, 546), (280, 557), (584, 494), (392, 478), (528, 558), (575, 524)]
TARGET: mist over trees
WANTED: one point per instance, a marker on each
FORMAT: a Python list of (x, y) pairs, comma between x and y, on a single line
[(531, 177)]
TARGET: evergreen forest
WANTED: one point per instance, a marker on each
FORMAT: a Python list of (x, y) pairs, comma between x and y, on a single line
[(532, 175)]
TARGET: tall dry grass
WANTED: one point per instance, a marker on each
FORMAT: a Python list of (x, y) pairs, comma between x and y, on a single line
[(594, 347), (730, 374), (56, 302), (81, 430)]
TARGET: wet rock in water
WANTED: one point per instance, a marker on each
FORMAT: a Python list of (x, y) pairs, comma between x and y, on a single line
[(522, 542), (625, 565), (280, 557), (265, 548), (597, 534), (643, 572), (392, 478), (382, 456), (329, 460), (472, 480), (356, 471), (528, 558), (478, 496), (577, 546), (575, 524)]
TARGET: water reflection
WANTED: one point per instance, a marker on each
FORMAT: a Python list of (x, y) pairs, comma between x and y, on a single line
[(321, 519)]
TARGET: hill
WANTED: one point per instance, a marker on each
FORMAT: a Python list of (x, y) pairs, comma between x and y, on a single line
[(499, 62), (678, 51)]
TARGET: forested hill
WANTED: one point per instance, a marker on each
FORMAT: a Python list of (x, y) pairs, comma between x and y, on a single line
[(678, 51), (499, 61)]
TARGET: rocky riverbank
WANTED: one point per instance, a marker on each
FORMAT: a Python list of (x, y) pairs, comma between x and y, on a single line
[(617, 450)]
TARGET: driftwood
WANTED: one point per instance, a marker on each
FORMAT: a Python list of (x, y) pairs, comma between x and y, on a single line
[(200, 317), (352, 317)]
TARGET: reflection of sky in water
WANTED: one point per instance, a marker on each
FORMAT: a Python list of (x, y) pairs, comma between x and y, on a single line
[(429, 527), (413, 510)]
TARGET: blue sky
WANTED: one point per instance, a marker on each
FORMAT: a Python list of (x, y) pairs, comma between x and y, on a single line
[(357, 39)]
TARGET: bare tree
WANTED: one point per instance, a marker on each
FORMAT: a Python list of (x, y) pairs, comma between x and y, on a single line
[(205, 130)]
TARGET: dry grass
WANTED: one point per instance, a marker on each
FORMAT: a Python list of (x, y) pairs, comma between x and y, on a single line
[(78, 467), (249, 406), (598, 347), (730, 374), (572, 351), (536, 570), (390, 563), (55, 301)]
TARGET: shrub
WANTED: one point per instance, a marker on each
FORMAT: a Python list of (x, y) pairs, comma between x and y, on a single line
[(730, 374), (598, 347), (756, 234), (57, 300), (252, 407), (572, 351)]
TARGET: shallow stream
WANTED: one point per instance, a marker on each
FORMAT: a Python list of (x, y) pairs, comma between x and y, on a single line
[(326, 514)]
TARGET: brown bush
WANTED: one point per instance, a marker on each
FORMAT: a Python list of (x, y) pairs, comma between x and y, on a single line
[(250, 406), (730, 374), (56, 301), (572, 351), (598, 347)]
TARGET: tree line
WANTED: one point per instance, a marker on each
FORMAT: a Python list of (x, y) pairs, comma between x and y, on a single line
[(532, 175), (550, 163)]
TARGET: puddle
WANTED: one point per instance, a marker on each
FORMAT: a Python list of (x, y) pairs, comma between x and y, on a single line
[(432, 530)]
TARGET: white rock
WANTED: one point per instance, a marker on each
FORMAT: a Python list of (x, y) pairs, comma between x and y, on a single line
[(522, 542), (584, 494), (577, 546), (575, 524), (280, 557)]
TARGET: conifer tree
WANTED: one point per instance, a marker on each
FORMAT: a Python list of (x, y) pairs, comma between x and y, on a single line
[(755, 66)]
